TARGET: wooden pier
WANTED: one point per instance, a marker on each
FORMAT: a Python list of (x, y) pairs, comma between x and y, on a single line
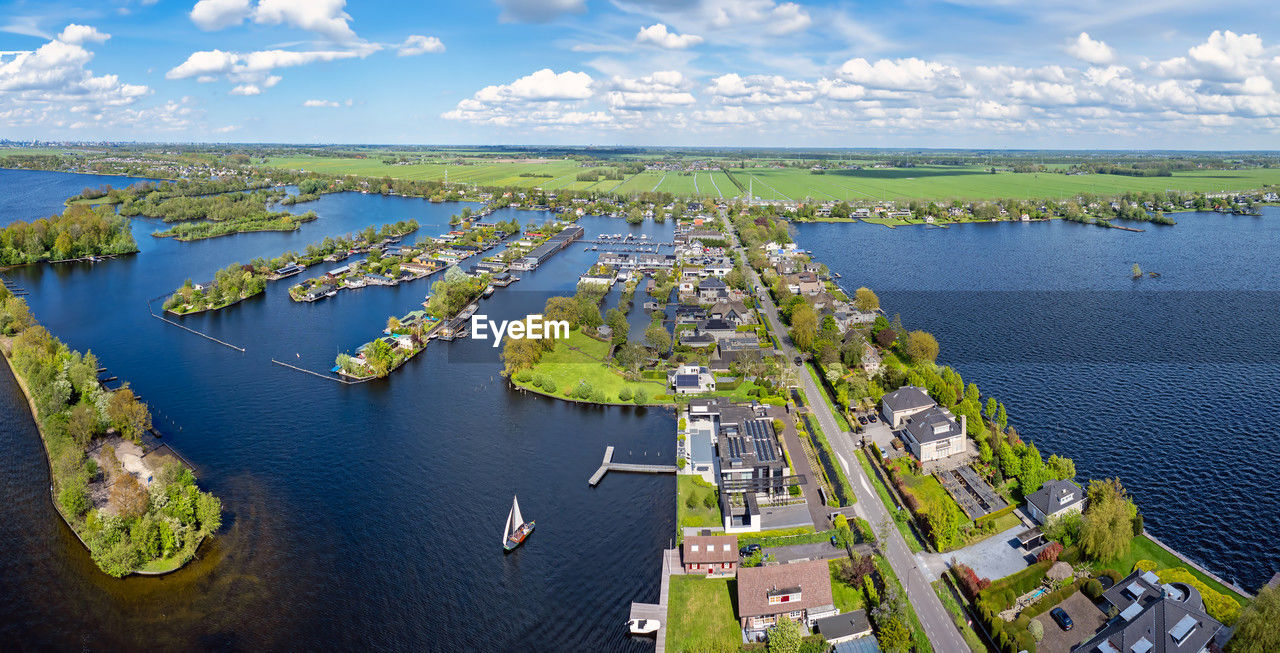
[(658, 612), (608, 465)]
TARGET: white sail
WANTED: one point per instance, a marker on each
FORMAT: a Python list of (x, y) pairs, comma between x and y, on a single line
[(506, 532), (515, 511)]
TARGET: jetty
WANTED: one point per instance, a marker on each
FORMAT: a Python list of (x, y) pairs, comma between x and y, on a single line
[(658, 611), (608, 465)]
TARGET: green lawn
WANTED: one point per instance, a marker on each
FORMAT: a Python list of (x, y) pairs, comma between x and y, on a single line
[(889, 504), (1143, 548), (688, 485), (958, 617), (846, 598), (700, 615), (581, 358)]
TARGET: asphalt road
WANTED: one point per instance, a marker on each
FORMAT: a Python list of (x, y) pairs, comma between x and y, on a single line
[(937, 623)]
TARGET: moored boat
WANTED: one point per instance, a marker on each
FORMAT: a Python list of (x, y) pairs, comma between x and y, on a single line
[(517, 529)]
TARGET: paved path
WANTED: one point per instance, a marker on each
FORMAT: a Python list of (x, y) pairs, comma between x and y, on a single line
[(995, 557), (817, 511), (937, 623), (670, 565)]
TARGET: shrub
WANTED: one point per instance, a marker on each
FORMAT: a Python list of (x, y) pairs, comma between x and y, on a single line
[(680, 463), (523, 376), (970, 584), (1144, 565), (1050, 553), (625, 395), (1218, 605), (640, 397), (1093, 588)]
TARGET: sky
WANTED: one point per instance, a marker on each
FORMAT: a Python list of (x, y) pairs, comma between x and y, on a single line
[(1141, 74)]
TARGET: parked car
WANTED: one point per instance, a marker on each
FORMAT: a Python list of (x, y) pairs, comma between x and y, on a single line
[(835, 541), (862, 420), (749, 549), (1059, 615), (871, 417), (798, 360)]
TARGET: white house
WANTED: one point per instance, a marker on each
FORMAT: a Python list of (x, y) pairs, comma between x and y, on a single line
[(1055, 498), (904, 402), (691, 379)]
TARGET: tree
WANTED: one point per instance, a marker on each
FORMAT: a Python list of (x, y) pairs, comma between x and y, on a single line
[(784, 636), (1033, 473), (894, 635), (209, 512), (657, 337), (129, 496), (128, 415), (1061, 468), (561, 308), (393, 323), (865, 300), (1107, 527), (82, 424), (922, 346), (617, 321), (804, 327), (1256, 630)]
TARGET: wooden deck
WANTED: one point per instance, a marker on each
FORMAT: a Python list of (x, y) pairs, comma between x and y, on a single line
[(658, 611), (607, 464)]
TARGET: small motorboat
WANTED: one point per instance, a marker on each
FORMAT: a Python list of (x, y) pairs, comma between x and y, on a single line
[(643, 626)]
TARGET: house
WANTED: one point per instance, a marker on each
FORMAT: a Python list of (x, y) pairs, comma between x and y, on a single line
[(800, 591), (690, 313), (710, 555), (843, 627), (904, 402), (696, 339), (712, 289), (1055, 498), (751, 466), (804, 283), (870, 360), (691, 379), (934, 433), (1153, 618), (735, 313)]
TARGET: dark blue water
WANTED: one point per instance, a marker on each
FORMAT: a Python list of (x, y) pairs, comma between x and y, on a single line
[(366, 516), (1168, 383), (28, 195)]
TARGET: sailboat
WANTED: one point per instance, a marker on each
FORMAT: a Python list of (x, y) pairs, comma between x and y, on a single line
[(517, 528)]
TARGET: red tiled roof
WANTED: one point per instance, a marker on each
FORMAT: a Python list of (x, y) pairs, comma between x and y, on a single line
[(755, 583), (710, 548)]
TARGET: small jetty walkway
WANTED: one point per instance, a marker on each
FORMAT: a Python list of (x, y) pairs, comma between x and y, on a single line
[(608, 465), (670, 565)]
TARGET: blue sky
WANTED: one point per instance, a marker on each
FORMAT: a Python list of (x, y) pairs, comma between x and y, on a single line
[(916, 73)]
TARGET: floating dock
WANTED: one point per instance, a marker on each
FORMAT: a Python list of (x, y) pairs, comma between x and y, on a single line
[(608, 465)]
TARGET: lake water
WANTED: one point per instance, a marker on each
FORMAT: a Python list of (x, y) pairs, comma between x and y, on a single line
[(1168, 383), (364, 516)]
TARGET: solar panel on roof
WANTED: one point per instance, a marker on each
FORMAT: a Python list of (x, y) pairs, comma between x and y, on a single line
[(1183, 628), (1131, 611)]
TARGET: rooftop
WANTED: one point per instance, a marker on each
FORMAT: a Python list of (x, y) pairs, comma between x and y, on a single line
[(810, 579)]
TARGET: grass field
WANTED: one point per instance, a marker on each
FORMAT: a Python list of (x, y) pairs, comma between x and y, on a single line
[(922, 182), (700, 615), (579, 358), (1143, 548), (845, 597), (689, 485)]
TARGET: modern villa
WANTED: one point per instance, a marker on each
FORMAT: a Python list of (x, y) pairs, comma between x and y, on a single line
[(934, 434), (1153, 617), (691, 379), (749, 459), (904, 402)]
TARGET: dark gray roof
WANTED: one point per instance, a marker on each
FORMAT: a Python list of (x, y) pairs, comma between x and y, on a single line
[(711, 282), (931, 425), (687, 381), (843, 625), (906, 398), (1168, 618), (1049, 498)]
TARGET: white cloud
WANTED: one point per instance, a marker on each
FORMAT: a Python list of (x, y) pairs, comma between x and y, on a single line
[(909, 74), (784, 18), (418, 44), (761, 89), (251, 72), (1089, 50), (219, 14), (541, 86), (538, 11), (325, 17), (1224, 57), (658, 35), (327, 104), (81, 34), (665, 88)]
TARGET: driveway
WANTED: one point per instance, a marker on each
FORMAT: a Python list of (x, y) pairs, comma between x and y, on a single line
[(995, 557), (1087, 620), (815, 551), (879, 433)]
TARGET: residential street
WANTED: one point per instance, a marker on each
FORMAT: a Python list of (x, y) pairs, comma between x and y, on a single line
[(937, 622)]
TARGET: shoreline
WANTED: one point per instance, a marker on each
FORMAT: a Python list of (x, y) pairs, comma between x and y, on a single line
[(5, 345)]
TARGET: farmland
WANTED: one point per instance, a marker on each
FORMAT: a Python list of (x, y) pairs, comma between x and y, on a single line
[(925, 182)]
